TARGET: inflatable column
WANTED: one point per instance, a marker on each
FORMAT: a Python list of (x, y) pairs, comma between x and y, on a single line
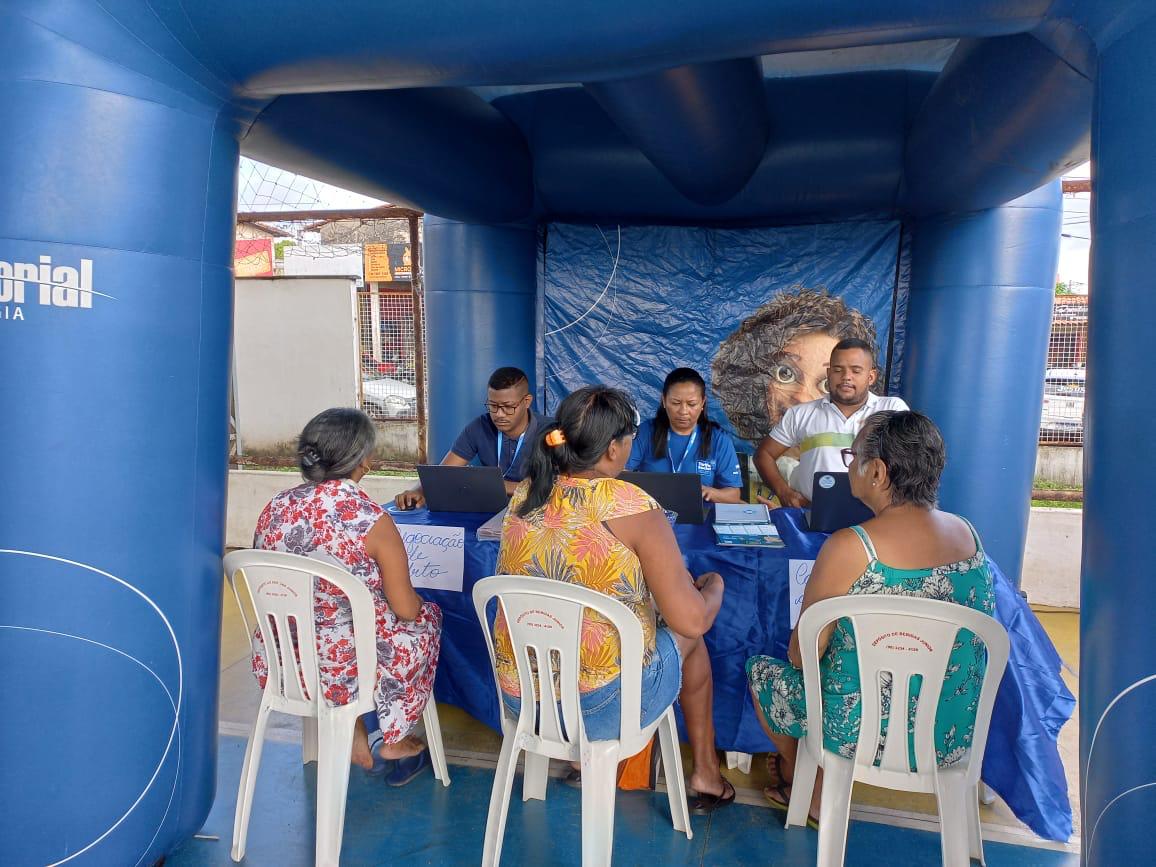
[(480, 315), (118, 175), (1118, 593), (978, 322)]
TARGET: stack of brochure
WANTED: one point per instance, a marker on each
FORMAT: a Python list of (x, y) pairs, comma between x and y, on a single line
[(492, 529), (745, 524)]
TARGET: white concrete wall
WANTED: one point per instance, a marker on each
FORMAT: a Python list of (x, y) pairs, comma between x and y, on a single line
[(1061, 464), (295, 344), (324, 260), (250, 490)]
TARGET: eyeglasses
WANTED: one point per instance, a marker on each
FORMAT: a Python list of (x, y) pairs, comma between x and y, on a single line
[(503, 408), (632, 427), (848, 456)]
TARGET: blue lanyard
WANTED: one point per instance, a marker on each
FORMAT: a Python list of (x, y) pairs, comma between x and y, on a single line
[(689, 448), (517, 449)]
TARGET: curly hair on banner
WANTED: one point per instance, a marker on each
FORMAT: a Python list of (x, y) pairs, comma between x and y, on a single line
[(777, 357)]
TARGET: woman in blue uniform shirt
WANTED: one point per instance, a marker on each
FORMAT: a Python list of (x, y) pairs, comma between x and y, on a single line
[(681, 438)]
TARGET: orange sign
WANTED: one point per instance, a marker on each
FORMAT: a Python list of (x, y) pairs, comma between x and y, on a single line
[(377, 263), (253, 257), (385, 263)]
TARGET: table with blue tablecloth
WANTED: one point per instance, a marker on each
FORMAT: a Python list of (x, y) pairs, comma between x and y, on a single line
[(1022, 762)]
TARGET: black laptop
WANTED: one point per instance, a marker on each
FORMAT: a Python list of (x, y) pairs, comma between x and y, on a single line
[(462, 489), (833, 507), (676, 492)]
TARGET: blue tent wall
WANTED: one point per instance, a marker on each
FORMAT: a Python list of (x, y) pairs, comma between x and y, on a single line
[(978, 324), (118, 167)]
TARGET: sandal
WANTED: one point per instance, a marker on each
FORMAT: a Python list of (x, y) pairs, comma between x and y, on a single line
[(573, 779), (703, 804), (408, 768), (775, 770), (779, 798)]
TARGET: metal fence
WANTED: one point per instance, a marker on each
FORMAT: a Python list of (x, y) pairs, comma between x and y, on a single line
[(1062, 420), (389, 344), (382, 247)]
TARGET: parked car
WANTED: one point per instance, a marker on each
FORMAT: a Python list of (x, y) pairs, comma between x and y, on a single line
[(1063, 401), (389, 398)]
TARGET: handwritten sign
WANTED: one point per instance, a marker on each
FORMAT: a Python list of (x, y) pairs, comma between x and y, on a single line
[(436, 556), (798, 572)]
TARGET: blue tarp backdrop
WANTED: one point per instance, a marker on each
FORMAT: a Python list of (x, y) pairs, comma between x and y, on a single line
[(625, 305)]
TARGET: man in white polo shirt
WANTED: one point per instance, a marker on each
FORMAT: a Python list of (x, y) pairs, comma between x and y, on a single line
[(820, 428)]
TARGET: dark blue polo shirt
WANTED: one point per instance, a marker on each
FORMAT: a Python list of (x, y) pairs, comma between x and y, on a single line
[(479, 440)]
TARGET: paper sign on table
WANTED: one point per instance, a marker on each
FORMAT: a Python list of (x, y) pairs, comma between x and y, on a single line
[(436, 556), (798, 572)]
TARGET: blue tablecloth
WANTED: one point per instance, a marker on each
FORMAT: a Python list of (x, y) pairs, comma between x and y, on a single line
[(1022, 762)]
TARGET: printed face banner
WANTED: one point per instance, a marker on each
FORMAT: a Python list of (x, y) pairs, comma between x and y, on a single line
[(755, 311)]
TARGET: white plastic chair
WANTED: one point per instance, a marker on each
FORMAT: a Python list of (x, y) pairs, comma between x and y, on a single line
[(544, 618), (902, 636), (281, 588)]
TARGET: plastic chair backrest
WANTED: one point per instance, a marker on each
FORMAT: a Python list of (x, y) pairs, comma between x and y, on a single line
[(902, 636), (281, 588), (545, 618)]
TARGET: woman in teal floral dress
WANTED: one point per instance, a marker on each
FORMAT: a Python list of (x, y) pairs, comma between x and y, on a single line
[(909, 548)]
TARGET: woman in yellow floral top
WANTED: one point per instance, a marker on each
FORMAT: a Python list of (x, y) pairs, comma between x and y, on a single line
[(572, 520)]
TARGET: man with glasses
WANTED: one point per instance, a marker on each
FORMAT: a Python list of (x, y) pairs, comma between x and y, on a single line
[(503, 436), (822, 428)]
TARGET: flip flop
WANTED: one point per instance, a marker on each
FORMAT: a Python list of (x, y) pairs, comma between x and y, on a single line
[(775, 770), (779, 799), (573, 779), (408, 768), (703, 804)]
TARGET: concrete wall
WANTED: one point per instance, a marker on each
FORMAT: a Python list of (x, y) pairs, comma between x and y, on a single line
[(1061, 464), (397, 441), (324, 260), (250, 490), (295, 345)]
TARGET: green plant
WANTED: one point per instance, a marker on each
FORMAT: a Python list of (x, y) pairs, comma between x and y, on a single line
[(1062, 288)]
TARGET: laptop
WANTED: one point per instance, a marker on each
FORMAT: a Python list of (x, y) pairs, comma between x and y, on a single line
[(462, 489), (676, 492), (833, 507)]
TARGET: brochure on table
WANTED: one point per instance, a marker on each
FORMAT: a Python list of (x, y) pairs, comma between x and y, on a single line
[(745, 524), (492, 529)]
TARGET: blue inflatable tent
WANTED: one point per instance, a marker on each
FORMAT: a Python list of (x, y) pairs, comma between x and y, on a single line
[(939, 126)]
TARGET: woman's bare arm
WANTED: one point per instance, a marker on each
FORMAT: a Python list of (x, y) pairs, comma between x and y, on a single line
[(841, 560), (688, 609), (383, 544)]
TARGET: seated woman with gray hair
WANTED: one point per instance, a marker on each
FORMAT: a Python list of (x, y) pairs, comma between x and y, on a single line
[(909, 548), (330, 518)]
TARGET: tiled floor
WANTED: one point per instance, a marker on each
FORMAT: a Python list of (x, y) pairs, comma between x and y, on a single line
[(425, 823)]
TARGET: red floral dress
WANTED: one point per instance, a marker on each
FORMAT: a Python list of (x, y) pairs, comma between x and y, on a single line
[(329, 521)]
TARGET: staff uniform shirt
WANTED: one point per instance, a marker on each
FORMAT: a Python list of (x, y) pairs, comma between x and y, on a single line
[(820, 431), (479, 439), (719, 469)]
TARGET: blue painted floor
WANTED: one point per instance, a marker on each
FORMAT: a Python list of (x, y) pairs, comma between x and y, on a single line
[(425, 823)]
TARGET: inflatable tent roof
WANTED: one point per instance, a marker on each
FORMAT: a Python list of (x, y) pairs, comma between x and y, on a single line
[(733, 112)]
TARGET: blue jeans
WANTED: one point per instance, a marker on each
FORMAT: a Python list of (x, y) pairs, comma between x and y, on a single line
[(602, 707)]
